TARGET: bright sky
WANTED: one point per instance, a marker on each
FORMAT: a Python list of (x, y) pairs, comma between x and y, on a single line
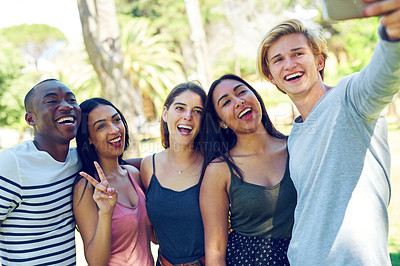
[(62, 14)]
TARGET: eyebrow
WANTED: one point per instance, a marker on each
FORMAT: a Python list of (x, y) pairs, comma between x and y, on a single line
[(102, 120), (49, 94), (179, 103), (292, 50), (55, 94), (234, 89)]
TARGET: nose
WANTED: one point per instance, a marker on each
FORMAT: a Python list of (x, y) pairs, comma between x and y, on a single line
[(239, 102), (188, 115), (114, 128), (290, 63), (64, 105)]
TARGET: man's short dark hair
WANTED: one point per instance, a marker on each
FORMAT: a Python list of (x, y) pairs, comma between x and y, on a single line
[(29, 95)]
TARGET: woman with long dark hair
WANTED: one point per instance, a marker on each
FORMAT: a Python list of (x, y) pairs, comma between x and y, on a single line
[(245, 175), (110, 212)]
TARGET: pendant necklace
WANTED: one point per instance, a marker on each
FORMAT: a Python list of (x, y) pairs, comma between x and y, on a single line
[(181, 171)]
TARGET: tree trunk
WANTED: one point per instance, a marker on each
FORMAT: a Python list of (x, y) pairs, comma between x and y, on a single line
[(102, 40), (198, 37)]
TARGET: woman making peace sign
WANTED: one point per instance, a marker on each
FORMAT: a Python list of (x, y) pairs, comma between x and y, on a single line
[(111, 214)]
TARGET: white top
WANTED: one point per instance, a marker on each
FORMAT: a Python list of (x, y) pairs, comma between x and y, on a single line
[(36, 207)]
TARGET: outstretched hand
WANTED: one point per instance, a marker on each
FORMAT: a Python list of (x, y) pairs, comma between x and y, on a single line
[(389, 10), (104, 196)]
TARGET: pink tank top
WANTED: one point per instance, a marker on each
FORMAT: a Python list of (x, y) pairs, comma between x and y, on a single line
[(131, 233)]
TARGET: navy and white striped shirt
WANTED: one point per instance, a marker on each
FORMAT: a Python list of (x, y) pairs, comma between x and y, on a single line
[(36, 207)]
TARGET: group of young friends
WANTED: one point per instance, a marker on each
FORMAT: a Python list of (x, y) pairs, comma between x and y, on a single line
[(228, 188)]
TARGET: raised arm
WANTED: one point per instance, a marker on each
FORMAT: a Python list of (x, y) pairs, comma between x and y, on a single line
[(214, 205), (373, 88), (93, 214)]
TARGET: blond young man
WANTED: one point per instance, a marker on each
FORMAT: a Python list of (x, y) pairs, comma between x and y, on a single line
[(339, 153)]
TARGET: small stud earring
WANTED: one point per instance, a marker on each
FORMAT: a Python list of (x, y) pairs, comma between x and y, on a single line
[(224, 126)]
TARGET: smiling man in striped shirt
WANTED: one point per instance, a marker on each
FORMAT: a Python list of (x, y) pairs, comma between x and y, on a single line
[(36, 179)]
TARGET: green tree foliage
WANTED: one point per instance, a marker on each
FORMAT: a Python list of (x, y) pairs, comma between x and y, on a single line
[(75, 69), (168, 16), (34, 40), (12, 88), (149, 60), (351, 43)]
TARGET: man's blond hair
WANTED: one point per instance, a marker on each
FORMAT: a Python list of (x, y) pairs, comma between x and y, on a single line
[(315, 39)]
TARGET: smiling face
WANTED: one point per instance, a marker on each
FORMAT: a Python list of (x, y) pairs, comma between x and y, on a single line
[(293, 66), (183, 117), (106, 131), (237, 106), (55, 113)]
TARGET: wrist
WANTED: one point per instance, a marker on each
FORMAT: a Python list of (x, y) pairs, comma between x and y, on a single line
[(385, 36), (105, 214)]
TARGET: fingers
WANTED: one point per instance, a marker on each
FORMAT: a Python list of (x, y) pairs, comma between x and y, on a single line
[(102, 176), (89, 178), (381, 7), (99, 186), (392, 19), (103, 185), (93, 181), (99, 195)]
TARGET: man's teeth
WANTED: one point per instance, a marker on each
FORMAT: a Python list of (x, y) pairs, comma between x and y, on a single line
[(185, 127), (245, 111), (294, 75), (66, 120), (115, 140)]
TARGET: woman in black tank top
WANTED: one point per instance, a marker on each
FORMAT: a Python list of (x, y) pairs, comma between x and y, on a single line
[(171, 179)]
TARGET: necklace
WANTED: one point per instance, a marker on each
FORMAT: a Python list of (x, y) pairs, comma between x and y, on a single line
[(184, 169)]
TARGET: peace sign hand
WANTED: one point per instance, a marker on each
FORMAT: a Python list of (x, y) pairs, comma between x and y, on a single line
[(104, 196)]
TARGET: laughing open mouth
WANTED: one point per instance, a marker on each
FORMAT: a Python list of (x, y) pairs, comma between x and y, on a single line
[(185, 129), (68, 120), (244, 112), (294, 76), (115, 140)]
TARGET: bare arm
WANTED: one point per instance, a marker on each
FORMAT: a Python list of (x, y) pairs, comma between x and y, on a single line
[(93, 214), (146, 171), (214, 205)]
